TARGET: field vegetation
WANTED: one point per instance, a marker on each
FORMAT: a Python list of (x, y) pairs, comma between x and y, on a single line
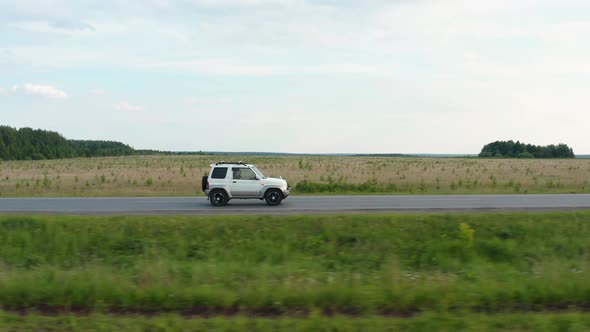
[(180, 175), (331, 271), (541, 322)]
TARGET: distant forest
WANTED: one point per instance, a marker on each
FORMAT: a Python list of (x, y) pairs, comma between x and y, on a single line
[(37, 144), (511, 149)]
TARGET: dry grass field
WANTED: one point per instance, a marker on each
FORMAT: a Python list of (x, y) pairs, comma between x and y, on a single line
[(180, 175)]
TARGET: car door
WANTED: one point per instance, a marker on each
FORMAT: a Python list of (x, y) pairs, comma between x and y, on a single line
[(245, 183)]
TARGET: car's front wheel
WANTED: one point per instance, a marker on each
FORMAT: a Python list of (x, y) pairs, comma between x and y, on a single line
[(273, 197), (218, 198)]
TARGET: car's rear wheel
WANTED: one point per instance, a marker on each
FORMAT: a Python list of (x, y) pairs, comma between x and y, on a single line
[(218, 198), (273, 197)]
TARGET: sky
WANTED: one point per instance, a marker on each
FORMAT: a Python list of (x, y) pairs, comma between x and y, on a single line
[(323, 76)]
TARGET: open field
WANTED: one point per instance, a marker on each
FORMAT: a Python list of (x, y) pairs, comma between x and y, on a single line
[(180, 175), (301, 267)]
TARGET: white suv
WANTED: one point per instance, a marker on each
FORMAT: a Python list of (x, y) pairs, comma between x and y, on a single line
[(230, 180)]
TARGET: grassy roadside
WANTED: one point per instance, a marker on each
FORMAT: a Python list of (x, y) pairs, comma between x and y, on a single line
[(390, 265), (425, 322)]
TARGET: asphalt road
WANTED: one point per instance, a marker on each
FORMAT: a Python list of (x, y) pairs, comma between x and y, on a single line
[(295, 204)]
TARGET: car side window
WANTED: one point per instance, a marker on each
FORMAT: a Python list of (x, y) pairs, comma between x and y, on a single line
[(219, 173), (241, 173)]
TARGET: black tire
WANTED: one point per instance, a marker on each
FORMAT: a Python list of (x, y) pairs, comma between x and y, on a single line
[(273, 197), (218, 197), (204, 182)]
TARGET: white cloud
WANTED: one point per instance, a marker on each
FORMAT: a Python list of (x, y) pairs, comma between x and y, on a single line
[(62, 27), (71, 25), (241, 3), (237, 68), (125, 106), (97, 92), (46, 91)]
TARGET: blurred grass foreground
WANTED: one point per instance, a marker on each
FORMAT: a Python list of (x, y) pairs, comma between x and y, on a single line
[(350, 272)]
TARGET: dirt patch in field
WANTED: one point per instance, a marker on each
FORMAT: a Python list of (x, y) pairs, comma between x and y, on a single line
[(269, 312)]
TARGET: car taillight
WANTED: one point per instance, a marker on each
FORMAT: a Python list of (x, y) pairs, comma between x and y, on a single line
[(207, 186)]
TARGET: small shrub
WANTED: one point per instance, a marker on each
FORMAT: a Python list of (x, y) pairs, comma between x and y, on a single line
[(466, 234), (494, 181), (422, 186), (46, 182)]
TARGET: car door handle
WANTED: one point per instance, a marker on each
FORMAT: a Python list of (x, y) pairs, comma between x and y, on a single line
[(234, 182)]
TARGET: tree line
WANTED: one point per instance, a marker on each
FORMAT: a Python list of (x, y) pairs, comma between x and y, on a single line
[(38, 144), (511, 149)]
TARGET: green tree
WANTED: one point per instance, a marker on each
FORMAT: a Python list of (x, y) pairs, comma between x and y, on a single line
[(511, 149)]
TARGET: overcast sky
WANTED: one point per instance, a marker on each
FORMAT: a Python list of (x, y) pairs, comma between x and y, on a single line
[(335, 76)]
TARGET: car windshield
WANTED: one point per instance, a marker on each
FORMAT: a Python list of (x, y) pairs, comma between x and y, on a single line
[(259, 173)]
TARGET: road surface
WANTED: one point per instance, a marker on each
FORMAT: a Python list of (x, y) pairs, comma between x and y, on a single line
[(296, 204)]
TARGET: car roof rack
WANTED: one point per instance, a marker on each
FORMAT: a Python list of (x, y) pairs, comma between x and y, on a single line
[(231, 162)]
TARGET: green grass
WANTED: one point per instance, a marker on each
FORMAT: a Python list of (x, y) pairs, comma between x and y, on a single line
[(297, 267), (538, 322)]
